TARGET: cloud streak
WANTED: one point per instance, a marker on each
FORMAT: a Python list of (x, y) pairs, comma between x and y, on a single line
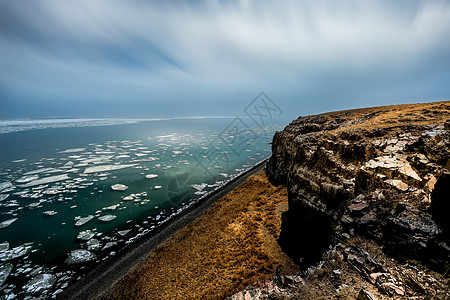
[(197, 56)]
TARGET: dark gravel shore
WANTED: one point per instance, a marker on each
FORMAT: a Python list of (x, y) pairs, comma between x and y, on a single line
[(103, 276)]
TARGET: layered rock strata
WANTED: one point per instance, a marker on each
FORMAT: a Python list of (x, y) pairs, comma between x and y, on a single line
[(380, 173)]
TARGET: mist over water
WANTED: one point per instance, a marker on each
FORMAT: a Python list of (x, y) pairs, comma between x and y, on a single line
[(71, 196)]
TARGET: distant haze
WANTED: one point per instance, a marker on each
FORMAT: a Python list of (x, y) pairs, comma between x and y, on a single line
[(174, 58)]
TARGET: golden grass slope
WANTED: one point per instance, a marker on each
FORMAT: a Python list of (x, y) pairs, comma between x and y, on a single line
[(231, 246)]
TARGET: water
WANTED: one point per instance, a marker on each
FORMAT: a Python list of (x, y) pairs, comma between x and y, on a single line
[(54, 176)]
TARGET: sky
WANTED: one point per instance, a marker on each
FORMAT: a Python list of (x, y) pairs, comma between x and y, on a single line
[(136, 58)]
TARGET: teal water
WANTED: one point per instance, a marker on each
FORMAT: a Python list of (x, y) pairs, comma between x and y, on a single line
[(51, 177)]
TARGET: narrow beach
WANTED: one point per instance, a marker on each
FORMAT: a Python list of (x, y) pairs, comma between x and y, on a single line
[(206, 251)]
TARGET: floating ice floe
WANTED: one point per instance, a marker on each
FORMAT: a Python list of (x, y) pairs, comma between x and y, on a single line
[(109, 245), (199, 187), (6, 223), (157, 187), (85, 235), (50, 212), (35, 204), (97, 160), (119, 187), (124, 232), (5, 185), (150, 176), (82, 221), (26, 179), (112, 207), (3, 197), (19, 160), (68, 164), (106, 168), (93, 244), (39, 283), (107, 218), (5, 270), (79, 256), (39, 171), (74, 150), (16, 252), (4, 246), (47, 180)]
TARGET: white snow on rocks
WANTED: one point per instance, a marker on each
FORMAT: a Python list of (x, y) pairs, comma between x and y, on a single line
[(393, 163), (79, 256)]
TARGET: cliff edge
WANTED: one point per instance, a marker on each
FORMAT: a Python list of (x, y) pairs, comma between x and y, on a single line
[(379, 175)]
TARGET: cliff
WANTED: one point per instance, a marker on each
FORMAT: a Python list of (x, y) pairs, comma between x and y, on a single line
[(379, 174), (361, 205)]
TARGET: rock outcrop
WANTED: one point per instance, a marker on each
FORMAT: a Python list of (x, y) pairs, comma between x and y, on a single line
[(379, 173)]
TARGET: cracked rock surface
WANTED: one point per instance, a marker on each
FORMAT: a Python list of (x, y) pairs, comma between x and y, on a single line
[(376, 174)]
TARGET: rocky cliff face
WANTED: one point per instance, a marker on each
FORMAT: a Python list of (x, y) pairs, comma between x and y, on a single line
[(379, 173)]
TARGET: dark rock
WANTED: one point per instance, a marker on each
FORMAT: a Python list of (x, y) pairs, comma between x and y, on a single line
[(358, 208), (366, 295), (375, 132), (367, 218), (363, 181), (447, 124), (415, 235), (440, 203), (306, 232), (324, 169)]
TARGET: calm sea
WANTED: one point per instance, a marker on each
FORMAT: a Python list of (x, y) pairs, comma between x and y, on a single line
[(74, 191)]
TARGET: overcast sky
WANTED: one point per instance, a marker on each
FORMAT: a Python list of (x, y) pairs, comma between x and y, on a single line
[(171, 58)]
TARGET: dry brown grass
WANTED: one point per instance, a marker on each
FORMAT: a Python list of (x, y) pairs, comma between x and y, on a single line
[(231, 246), (397, 115)]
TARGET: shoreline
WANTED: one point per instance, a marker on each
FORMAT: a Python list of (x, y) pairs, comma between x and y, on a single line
[(102, 277)]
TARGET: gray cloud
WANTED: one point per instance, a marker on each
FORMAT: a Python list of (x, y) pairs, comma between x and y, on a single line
[(193, 57)]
